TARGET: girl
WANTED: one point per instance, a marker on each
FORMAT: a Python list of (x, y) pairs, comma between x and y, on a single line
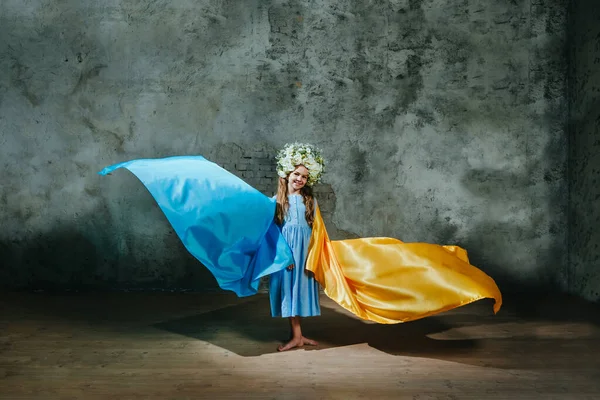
[(379, 279), (294, 292)]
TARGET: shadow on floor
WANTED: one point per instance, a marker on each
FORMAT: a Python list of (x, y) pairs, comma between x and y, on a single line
[(533, 330), (248, 330), (520, 336)]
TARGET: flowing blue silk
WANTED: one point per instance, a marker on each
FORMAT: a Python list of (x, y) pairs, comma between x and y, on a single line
[(224, 222)]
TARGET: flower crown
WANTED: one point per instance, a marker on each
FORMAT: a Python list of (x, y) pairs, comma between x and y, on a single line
[(296, 154)]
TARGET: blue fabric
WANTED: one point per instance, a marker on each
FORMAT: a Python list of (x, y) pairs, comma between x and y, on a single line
[(295, 292), (222, 221)]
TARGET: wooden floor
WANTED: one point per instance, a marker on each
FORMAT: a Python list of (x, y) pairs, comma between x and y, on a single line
[(214, 346)]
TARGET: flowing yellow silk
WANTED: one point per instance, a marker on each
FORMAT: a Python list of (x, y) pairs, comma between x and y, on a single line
[(387, 281)]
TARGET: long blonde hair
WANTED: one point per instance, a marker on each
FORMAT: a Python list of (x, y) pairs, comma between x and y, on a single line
[(283, 203)]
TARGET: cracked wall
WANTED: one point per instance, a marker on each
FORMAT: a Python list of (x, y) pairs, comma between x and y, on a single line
[(442, 121)]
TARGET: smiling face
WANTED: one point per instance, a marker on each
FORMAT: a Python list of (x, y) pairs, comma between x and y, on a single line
[(297, 179)]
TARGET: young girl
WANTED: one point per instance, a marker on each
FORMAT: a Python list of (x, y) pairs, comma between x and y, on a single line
[(294, 292), (380, 279)]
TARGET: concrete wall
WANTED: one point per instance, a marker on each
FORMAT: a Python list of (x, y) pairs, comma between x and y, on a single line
[(442, 121), (584, 150)]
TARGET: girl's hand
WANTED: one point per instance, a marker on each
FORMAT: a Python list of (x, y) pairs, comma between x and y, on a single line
[(290, 267)]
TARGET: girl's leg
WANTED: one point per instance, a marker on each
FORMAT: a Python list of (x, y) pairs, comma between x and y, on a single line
[(297, 339)]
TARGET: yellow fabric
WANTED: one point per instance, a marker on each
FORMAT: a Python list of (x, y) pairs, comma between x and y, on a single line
[(387, 281)]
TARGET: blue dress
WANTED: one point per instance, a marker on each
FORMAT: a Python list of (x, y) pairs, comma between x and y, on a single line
[(295, 292)]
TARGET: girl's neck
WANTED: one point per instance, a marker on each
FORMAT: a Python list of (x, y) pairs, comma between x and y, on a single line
[(291, 190)]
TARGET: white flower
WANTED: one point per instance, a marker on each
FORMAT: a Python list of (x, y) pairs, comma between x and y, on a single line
[(296, 154)]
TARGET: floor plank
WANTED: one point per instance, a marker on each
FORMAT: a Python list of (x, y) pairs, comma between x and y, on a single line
[(215, 345)]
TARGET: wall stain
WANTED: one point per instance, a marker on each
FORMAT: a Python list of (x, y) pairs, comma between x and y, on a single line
[(87, 75), (20, 74)]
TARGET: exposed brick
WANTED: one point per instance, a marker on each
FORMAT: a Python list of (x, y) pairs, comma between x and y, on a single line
[(260, 154)]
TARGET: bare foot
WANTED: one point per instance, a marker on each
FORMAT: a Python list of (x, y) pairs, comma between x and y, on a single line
[(310, 342), (297, 342)]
